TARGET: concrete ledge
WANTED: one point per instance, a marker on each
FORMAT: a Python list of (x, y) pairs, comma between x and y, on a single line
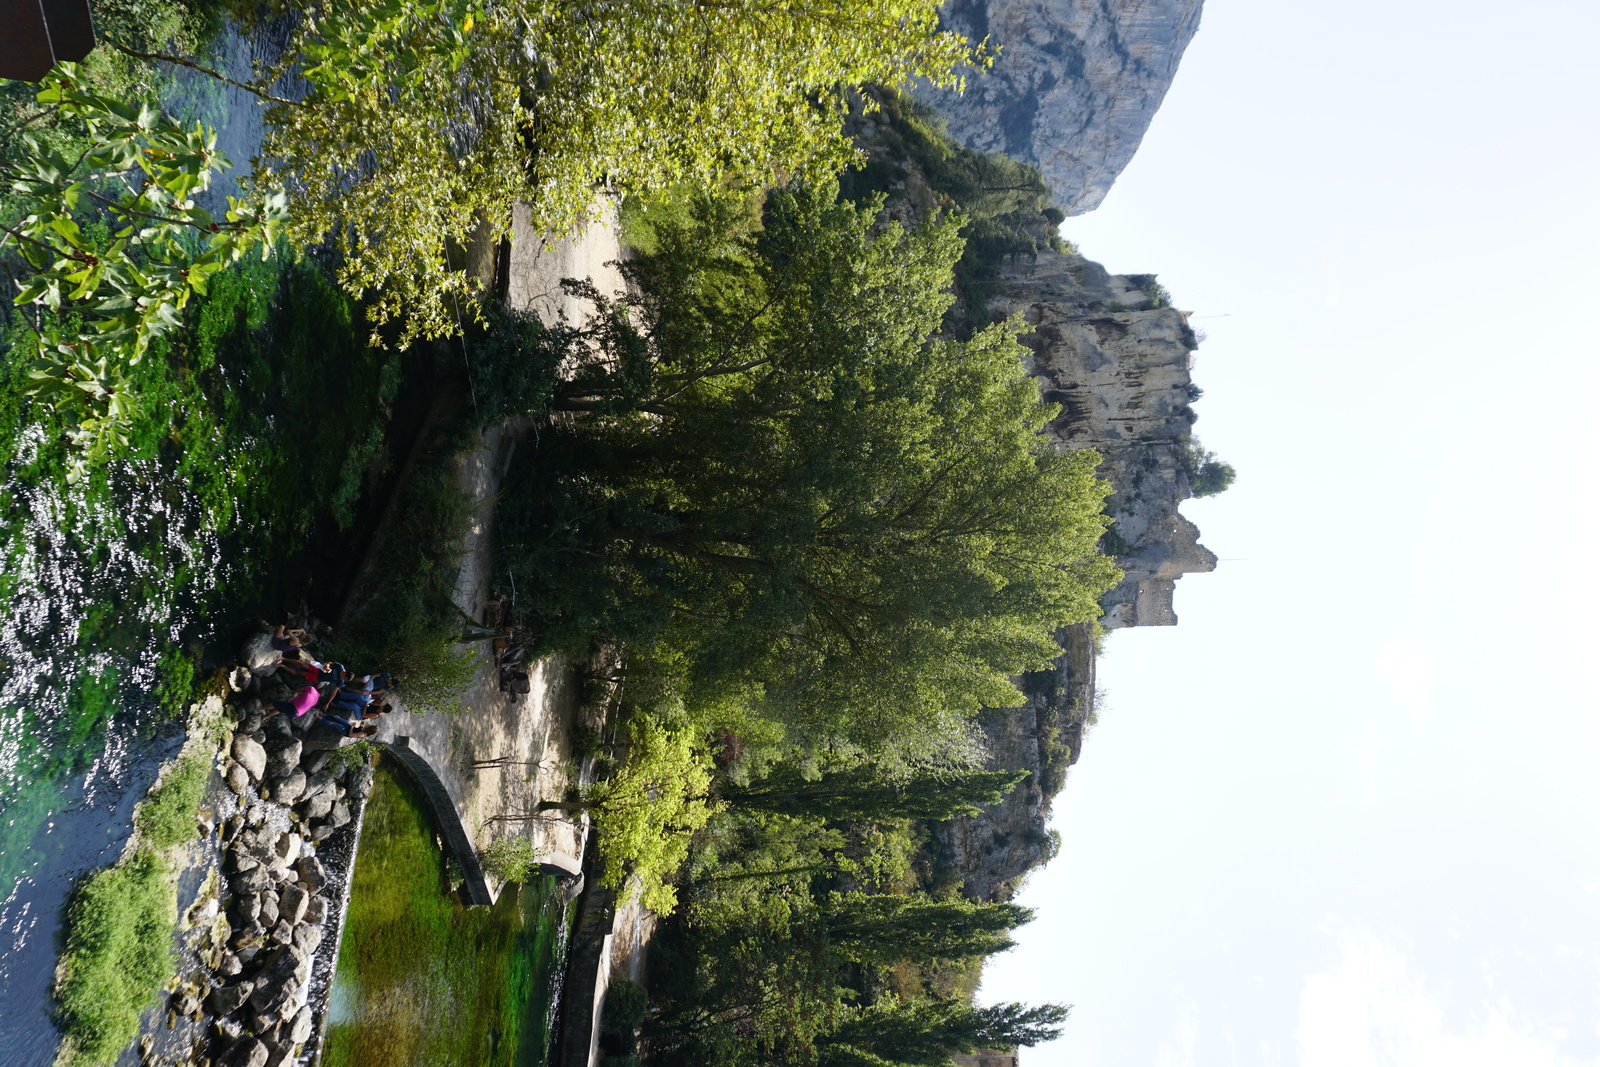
[(588, 973), (475, 887)]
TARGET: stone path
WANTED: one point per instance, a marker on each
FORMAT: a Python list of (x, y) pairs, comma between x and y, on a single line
[(498, 759)]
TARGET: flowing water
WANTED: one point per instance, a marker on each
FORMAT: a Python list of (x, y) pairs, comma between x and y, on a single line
[(424, 982), (238, 497)]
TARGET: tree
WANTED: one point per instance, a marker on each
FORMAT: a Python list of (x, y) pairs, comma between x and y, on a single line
[(645, 813), (1208, 475), (780, 475), (928, 1033), (98, 301), (865, 791), (425, 122), (886, 927)]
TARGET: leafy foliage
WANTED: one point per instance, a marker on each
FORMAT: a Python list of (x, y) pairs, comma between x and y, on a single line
[(770, 964), (511, 859), (777, 474), (118, 953), (101, 303), (541, 100), (1208, 475), (645, 812), (1007, 209), (167, 816)]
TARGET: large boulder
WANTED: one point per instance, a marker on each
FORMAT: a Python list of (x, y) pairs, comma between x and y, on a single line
[(286, 850), (292, 904), (246, 1052), (282, 754), (286, 790), (249, 754), (311, 873), (225, 999), (258, 654), (307, 938), (299, 1028), (317, 806)]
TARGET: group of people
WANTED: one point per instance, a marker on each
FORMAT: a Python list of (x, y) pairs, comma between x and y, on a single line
[(327, 692)]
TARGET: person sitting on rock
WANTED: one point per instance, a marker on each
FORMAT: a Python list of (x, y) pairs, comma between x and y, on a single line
[(306, 671), (348, 702), (288, 643), (350, 729), (372, 684), (303, 700)]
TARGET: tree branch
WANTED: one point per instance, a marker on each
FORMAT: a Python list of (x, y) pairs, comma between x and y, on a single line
[(180, 61)]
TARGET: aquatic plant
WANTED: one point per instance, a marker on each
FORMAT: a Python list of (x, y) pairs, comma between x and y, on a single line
[(118, 954), (167, 815)]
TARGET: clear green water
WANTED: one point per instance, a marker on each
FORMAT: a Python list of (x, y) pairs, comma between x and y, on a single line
[(422, 980)]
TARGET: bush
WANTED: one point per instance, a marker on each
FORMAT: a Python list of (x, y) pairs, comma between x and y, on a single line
[(626, 1004), (511, 859), (118, 955), (167, 815)]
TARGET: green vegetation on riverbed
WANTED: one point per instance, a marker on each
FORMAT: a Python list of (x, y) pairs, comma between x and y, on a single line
[(119, 925), (118, 955), (422, 980)]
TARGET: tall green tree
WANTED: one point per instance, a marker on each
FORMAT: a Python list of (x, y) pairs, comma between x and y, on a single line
[(929, 1033), (865, 791), (426, 121), (886, 927), (779, 474)]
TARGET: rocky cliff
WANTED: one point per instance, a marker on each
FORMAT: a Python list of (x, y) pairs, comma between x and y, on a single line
[(1074, 87), (1117, 359)]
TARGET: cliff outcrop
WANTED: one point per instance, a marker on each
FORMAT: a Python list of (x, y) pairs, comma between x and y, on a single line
[(1112, 352), (1117, 359), (1074, 87)]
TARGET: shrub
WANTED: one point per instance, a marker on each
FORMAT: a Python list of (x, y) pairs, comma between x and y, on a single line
[(118, 955), (511, 859), (167, 815)]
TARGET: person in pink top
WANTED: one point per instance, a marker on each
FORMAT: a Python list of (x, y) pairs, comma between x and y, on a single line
[(303, 700)]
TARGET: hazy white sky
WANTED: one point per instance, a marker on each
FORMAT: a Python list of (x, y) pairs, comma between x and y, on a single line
[(1347, 813)]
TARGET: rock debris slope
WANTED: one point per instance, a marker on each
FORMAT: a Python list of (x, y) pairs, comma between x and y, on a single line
[(1074, 87)]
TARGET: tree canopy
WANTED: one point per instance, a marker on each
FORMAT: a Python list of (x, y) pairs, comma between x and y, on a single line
[(781, 472), (541, 100)]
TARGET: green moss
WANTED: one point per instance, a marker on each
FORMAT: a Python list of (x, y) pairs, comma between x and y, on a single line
[(167, 816), (412, 960), (118, 955)]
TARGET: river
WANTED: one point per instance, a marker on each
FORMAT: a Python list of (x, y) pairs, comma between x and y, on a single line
[(236, 500)]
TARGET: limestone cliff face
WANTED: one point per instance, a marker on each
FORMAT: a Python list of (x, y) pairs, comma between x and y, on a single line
[(1108, 350), (1074, 87), (1118, 363), (991, 851)]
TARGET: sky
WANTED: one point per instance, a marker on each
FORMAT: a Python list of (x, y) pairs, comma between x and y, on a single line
[(1346, 813)]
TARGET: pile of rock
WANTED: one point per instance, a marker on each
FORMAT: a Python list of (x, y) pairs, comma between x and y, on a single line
[(289, 799)]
